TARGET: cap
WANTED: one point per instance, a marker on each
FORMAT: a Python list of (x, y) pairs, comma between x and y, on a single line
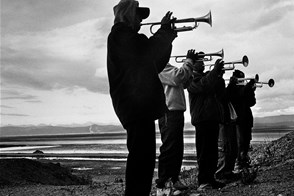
[(143, 12), (239, 74)]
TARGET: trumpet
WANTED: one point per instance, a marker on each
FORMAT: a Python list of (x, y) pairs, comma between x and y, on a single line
[(256, 79), (231, 65), (241, 80), (207, 19), (270, 83), (181, 58)]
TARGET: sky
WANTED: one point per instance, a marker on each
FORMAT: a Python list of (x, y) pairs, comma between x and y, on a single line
[(53, 54)]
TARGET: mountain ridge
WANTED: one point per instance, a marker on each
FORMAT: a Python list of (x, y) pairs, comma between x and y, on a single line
[(272, 122)]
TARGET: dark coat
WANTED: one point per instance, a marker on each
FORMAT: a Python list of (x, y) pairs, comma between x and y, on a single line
[(205, 92), (224, 99), (242, 98), (133, 64)]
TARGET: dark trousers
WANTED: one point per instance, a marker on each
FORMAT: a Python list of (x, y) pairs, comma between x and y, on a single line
[(172, 149), (207, 150), (141, 145), (227, 151), (243, 141)]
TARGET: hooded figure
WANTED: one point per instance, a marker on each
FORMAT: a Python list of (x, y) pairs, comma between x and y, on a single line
[(133, 64), (126, 12)]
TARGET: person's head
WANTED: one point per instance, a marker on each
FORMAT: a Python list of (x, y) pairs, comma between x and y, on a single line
[(199, 64), (238, 74), (129, 12)]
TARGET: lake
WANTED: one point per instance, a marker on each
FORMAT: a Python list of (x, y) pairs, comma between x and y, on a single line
[(97, 144)]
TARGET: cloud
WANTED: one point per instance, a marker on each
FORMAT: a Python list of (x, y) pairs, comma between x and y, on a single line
[(6, 107), (22, 97), (53, 53), (17, 95), (34, 101), (271, 14), (42, 15), (16, 115), (231, 17), (62, 58)]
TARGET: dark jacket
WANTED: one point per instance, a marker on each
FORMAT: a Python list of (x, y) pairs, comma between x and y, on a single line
[(224, 99), (242, 98), (205, 92), (133, 64)]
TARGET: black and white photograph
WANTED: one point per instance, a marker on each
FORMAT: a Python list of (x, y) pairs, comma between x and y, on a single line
[(147, 97)]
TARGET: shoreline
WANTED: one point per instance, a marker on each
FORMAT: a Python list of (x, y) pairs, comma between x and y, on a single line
[(120, 156), (188, 160)]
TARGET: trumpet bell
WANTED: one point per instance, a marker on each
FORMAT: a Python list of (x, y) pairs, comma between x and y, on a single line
[(256, 78), (207, 19), (271, 83), (245, 61), (231, 65)]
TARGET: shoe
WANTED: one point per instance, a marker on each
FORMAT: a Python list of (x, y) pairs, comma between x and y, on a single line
[(166, 190), (163, 191), (244, 166), (178, 185), (243, 162), (204, 187)]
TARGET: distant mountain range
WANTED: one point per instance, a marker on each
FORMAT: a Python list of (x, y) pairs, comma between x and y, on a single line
[(57, 130), (269, 121), (278, 120), (282, 122)]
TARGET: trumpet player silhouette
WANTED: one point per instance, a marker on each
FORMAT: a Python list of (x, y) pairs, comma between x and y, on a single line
[(243, 98), (171, 125), (133, 64), (206, 114)]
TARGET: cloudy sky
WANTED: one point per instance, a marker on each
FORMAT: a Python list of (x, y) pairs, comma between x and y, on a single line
[(53, 54)]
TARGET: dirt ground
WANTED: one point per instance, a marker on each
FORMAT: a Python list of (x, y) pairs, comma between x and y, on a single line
[(20, 177)]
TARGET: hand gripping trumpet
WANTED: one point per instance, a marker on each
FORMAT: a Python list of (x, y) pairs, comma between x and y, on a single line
[(207, 19), (181, 58)]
